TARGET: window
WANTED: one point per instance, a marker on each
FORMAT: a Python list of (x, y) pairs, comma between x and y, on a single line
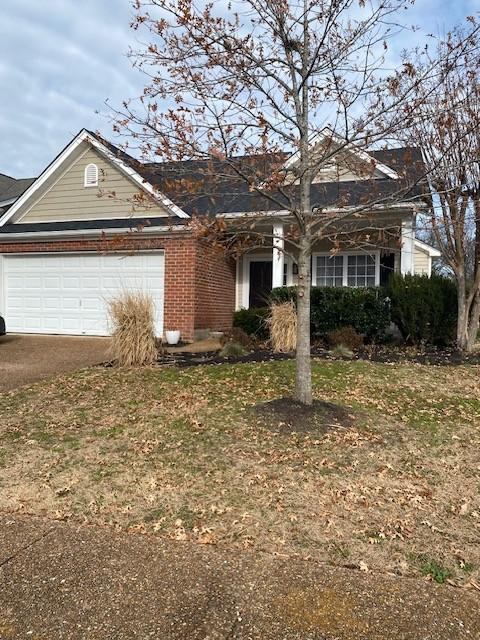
[(329, 271), (346, 270), (91, 175), (361, 271)]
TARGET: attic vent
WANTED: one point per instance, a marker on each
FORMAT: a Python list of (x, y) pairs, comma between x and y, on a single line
[(91, 175)]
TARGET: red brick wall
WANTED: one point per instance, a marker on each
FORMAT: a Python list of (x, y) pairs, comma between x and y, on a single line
[(199, 284), (215, 289)]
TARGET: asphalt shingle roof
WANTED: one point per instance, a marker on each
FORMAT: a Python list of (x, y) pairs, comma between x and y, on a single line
[(212, 187), (11, 189)]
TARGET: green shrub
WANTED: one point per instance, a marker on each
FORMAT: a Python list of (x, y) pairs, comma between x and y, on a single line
[(424, 308), (366, 310), (253, 322)]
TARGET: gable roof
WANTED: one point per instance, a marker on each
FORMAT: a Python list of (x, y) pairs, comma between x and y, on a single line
[(330, 137), (214, 187), (67, 153)]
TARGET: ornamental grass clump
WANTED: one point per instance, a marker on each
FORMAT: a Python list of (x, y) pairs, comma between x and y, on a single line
[(132, 320), (282, 323)]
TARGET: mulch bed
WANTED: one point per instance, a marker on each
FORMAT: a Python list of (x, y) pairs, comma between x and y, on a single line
[(287, 416), (442, 357)]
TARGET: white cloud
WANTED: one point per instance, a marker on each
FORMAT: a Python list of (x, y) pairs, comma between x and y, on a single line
[(60, 60)]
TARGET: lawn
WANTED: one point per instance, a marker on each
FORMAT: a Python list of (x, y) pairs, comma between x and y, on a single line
[(180, 453)]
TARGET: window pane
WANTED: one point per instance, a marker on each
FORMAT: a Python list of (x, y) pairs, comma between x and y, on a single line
[(329, 271), (361, 270)]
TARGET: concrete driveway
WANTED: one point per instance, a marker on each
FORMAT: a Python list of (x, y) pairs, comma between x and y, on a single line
[(71, 582), (28, 358)]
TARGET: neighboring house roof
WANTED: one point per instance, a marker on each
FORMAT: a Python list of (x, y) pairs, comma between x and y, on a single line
[(11, 189)]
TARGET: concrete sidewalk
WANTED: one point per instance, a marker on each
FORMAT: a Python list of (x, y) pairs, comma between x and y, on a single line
[(60, 581)]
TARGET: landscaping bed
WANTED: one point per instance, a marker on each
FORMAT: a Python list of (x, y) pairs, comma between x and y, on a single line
[(380, 353), (386, 480)]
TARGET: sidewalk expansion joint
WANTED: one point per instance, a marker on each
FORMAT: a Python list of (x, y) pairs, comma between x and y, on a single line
[(24, 548)]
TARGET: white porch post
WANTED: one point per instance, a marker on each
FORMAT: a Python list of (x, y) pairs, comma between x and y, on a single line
[(278, 257), (406, 252)]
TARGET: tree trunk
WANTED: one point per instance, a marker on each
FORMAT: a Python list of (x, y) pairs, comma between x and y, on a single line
[(462, 316), (474, 323), (303, 382), (468, 320)]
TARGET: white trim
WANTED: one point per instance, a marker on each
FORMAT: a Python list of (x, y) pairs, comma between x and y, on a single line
[(5, 202), (278, 258), (88, 181), (238, 283), (70, 252), (284, 213), (407, 249), (349, 148), (85, 136), (248, 258), (375, 253), (426, 248), (3, 299)]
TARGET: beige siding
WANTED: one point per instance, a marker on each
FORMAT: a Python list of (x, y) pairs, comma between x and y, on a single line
[(68, 199), (421, 262)]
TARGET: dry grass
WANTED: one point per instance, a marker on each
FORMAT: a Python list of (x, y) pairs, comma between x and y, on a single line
[(132, 317), (180, 453), (283, 326)]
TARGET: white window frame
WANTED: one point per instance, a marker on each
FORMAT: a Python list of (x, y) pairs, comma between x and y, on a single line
[(375, 254), (86, 182)]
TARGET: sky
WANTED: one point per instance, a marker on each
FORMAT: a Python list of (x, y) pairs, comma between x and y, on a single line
[(60, 60)]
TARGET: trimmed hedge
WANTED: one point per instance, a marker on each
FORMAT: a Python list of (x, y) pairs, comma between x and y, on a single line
[(365, 309), (253, 322), (424, 308)]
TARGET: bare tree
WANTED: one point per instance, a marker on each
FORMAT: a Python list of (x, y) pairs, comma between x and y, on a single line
[(236, 86), (444, 119)]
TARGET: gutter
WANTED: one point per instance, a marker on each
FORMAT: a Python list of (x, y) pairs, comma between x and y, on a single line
[(32, 236)]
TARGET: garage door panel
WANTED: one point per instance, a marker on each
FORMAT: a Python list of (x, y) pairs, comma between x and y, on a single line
[(50, 282), (69, 293)]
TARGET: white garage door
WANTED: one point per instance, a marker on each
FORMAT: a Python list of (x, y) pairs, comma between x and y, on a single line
[(68, 293)]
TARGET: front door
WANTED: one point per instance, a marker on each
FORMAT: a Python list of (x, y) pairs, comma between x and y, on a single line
[(260, 283)]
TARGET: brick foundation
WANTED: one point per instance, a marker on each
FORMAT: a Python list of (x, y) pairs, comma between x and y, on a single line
[(199, 283)]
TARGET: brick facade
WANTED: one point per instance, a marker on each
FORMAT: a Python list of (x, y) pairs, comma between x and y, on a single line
[(199, 284), (214, 289)]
